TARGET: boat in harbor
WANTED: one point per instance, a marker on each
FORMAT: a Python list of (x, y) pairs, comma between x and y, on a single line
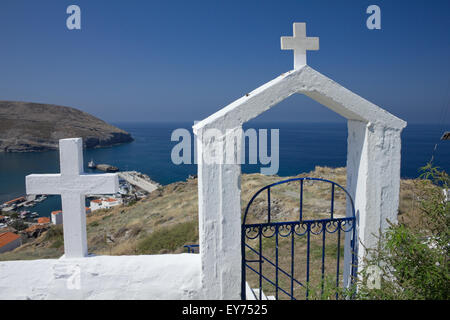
[(24, 214), (107, 168), (13, 203), (40, 198), (8, 209), (91, 164), (28, 204)]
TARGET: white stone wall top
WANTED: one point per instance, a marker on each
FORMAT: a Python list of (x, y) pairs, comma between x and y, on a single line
[(172, 276)]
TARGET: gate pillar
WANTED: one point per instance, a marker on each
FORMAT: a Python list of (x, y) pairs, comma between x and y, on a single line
[(373, 180), (219, 215)]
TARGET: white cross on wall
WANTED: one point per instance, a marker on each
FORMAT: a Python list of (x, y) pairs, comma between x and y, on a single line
[(72, 184), (300, 44)]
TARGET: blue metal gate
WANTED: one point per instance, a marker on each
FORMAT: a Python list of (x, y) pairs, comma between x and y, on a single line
[(255, 235)]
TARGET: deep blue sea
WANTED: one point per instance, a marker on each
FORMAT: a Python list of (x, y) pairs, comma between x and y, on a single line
[(302, 147)]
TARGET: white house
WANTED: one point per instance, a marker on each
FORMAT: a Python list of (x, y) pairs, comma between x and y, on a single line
[(57, 217), (105, 203)]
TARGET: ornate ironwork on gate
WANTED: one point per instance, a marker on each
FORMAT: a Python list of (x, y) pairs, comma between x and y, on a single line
[(287, 279)]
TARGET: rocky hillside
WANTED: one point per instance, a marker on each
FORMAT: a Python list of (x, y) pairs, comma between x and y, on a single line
[(28, 127)]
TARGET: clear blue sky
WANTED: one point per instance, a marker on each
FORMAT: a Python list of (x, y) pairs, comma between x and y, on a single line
[(183, 60)]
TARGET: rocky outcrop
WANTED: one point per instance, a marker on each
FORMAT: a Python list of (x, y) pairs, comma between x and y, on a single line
[(31, 127)]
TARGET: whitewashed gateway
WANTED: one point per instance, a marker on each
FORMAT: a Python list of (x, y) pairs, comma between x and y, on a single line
[(373, 180)]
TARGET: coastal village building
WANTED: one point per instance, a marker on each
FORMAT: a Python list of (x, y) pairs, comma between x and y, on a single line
[(105, 203), (57, 216), (9, 241), (43, 220), (373, 181)]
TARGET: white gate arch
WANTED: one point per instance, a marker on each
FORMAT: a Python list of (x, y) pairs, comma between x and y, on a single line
[(373, 170)]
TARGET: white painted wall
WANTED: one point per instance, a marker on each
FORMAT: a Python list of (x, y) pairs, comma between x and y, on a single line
[(57, 218), (103, 277), (373, 178), (219, 196), (105, 204), (95, 206), (381, 187)]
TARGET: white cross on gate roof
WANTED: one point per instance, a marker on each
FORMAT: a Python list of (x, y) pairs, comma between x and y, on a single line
[(72, 184), (299, 43)]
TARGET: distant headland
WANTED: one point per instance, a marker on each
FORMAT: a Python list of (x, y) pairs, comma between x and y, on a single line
[(31, 127)]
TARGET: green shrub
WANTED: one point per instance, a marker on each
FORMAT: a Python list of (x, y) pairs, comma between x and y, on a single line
[(12, 215), (413, 260), (131, 203), (58, 243), (54, 233), (18, 225), (169, 238), (55, 236)]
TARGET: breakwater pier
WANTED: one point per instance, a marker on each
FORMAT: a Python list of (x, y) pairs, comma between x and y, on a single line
[(139, 180)]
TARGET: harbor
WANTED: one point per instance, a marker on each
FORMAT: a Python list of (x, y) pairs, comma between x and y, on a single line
[(139, 180), (37, 211), (25, 201)]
